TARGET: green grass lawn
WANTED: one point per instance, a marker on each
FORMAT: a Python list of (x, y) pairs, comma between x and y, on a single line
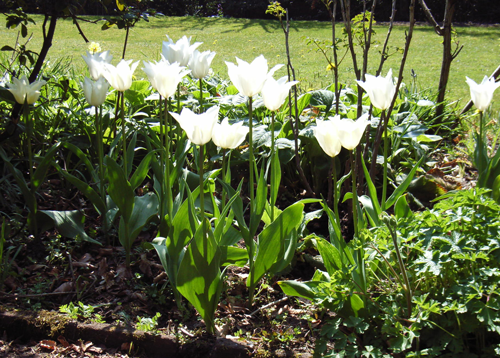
[(249, 38)]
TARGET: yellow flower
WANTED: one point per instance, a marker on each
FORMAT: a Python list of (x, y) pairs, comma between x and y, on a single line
[(94, 47), (330, 67)]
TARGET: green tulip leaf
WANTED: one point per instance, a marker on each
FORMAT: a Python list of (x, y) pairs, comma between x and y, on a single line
[(43, 167), (69, 224), (199, 278), (300, 289), (119, 189), (234, 256), (145, 209), (142, 171), (271, 242)]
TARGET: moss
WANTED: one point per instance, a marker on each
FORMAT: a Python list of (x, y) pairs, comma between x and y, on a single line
[(51, 322)]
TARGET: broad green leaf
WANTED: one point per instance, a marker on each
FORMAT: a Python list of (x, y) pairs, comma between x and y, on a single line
[(299, 289), (86, 190), (271, 242), (356, 303), (372, 190), (322, 99), (258, 205), (141, 171), (402, 209), (400, 190), (41, 170), (119, 189), (234, 256), (70, 224), (331, 256), (199, 278), (145, 209)]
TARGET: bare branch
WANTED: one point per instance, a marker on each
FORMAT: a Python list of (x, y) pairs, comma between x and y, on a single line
[(430, 18)]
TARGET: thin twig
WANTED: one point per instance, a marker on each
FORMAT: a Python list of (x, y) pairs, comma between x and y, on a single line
[(269, 305), (15, 296)]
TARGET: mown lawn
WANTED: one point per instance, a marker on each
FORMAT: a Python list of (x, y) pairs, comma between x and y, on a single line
[(249, 38)]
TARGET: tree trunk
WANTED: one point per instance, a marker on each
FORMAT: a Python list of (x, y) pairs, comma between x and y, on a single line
[(448, 56)]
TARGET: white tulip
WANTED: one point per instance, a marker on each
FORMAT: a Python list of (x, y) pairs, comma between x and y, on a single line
[(179, 51), (120, 77), (349, 131), (482, 94), (95, 91), (198, 127), (24, 91), (380, 89), (229, 136), (200, 63), (326, 133), (275, 92), (164, 76), (249, 78), (95, 63)]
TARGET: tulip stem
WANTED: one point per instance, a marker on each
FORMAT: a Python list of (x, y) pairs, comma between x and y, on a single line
[(100, 155), (335, 194), (273, 174), (250, 149), (224, 177), (33, 209), (202, 198), (360, 251), (386, 149), (167, 160), (201, 96), (124, 141)]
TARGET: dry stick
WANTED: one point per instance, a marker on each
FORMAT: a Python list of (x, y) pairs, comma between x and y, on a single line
[(295, 128), (8, 296), (269, 305), (381, 128), (445, 32), (469, 104), (384, 56)]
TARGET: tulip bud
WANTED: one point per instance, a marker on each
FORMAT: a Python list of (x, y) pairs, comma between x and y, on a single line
[(327, 135), (95, 91)]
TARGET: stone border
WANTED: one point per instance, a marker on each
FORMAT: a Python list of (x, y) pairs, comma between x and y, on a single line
[(48, 324)]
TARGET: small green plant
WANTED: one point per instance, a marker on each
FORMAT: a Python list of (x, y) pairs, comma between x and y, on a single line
[(148, 324), (81, 312)]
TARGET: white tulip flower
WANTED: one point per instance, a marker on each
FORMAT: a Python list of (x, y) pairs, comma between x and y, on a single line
[(200, 63), (95, 62), (380, 89), (326, 133), (229, 136), (198, 127), (95, 91), (275, 92), (120, 77), (24, 91), (249, 78), (164, 76), (179, 51), (482, 94), (349, 131)]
